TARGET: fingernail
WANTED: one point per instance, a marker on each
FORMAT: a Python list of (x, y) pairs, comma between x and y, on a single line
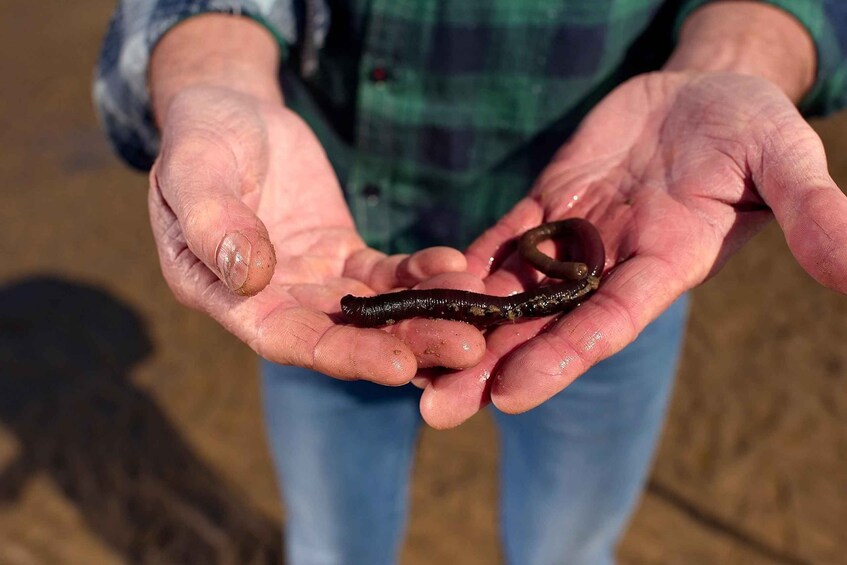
[(234, 259), (420, 382)]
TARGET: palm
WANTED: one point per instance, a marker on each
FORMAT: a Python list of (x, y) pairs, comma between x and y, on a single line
[(300, 203), (675, 182), (282, 190), (677, 172)]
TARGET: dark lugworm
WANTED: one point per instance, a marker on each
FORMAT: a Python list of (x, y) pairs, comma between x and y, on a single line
[(581, 279)]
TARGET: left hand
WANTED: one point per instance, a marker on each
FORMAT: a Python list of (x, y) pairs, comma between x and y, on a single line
[(677, 171)]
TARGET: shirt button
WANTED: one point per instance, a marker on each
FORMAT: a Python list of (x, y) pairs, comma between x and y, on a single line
[(371, 193), (379, 75)]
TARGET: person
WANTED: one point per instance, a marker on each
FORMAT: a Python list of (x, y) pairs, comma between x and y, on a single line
[(301, 151)]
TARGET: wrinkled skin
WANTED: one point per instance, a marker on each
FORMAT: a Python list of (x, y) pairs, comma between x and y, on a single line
[(242, 200), (677, 171)]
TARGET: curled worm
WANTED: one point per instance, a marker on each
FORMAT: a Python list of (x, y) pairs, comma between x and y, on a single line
[(579, 280)]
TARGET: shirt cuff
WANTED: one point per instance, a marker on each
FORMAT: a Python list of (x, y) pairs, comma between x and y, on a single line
[(826, 22)]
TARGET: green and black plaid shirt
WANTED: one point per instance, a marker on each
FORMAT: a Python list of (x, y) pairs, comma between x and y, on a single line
[(439, 114)]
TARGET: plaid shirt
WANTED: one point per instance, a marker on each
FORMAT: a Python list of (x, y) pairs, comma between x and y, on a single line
[(437, 114)]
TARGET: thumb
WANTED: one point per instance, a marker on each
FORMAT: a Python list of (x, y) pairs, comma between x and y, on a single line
[(808, 205), (202, 188)]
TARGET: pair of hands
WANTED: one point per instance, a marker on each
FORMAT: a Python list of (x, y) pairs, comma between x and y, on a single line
[(676, 170)]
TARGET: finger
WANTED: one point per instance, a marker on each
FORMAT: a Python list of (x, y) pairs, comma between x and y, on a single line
[(457, 281), (451, 398), (308, 338), (273, 323), (434, 343), (483, 253), (444, 343), (421, 381), (383, 272), (203, 192), (808, 205), (281, 330), (429, 263), (629, 298)]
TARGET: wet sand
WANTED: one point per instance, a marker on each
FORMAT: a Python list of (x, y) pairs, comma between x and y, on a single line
[(130, 427)]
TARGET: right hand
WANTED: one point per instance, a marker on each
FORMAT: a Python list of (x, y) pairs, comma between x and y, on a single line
[(252, 228)]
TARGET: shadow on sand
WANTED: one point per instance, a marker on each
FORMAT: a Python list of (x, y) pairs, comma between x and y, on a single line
[(66, 351)]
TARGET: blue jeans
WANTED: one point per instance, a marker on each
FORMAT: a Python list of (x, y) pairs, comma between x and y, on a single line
[(571, 469)]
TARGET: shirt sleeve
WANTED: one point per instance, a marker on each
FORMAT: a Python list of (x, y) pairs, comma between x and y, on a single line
[(826, 22), (120, 91)]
